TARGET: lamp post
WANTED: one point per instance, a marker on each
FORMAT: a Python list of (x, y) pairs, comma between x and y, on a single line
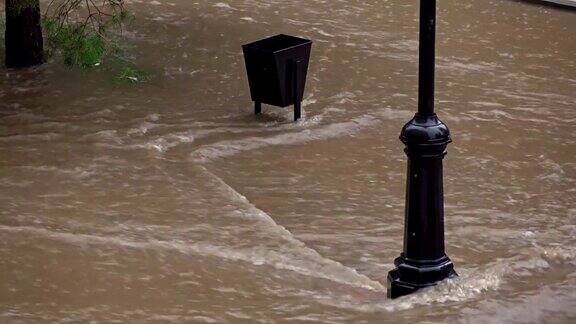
[(423, 261)]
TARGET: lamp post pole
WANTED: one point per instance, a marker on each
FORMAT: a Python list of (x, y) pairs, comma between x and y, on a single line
[(423, 261)]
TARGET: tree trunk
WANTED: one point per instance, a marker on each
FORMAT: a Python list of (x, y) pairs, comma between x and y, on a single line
[(24, 45)]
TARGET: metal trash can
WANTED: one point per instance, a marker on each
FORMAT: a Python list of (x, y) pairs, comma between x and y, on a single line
[(277, 68)]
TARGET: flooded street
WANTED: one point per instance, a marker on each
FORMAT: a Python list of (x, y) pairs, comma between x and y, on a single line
[(169, 201)]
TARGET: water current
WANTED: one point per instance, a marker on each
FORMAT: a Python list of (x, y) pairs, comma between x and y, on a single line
[(169, 201)]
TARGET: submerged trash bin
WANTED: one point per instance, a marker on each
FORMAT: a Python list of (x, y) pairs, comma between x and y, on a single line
[(277, 68)]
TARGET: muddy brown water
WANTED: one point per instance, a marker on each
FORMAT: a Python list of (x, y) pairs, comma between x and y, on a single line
[(170, 202)]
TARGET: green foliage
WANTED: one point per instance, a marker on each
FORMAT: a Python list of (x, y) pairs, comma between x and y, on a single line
[(78, 45), (86, 41)]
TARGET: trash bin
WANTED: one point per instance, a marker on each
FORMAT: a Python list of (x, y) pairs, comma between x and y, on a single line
[(276, 68)]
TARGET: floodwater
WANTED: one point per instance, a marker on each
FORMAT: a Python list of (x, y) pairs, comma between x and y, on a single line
[(169, 201)]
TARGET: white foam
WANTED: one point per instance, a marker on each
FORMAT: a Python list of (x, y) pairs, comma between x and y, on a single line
[(473, 283), (538, 307), (30, 137), (467, 286), (304, 261), (232, 147), (559, 254), (223, 5), (163, 143)]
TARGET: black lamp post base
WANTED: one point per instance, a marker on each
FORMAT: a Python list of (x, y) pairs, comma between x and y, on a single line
[(412, 275)]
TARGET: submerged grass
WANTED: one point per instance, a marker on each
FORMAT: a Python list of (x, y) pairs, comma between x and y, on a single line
[(132, 74)]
